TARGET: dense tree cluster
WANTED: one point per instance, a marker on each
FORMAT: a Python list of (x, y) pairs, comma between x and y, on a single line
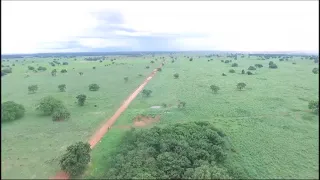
[(11, 111), (51, 106), (193, 150), (314, 106)]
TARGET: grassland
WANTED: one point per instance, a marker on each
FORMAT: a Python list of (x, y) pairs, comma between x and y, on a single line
[(32, 146), (273, 132)]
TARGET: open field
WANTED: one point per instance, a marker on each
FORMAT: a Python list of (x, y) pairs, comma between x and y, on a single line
[(273, 133)]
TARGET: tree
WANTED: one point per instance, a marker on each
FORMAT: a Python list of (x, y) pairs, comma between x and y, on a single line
[(314, 106), (223, 74), (251, 68), (243, 72), (94, 87), (191, 59), (249, 73), (234, 65), (93, 67), (176, 75), (126, 79), (151, 62), (315, 70), (241, 85), (62, 87), (81, 99), (271, 62), (232, 71), (54, 72), (63, 71), (146, 92), (41, 68), (11, 111), (76, 159), (214, 88), (258, 65), (222, 60), (80, 73), (273, 66), (60, 114), (147, 67), (226, 61), (32, 88), (159, 69), (181, 104), (48, 105), (31, 68), (65, 63)]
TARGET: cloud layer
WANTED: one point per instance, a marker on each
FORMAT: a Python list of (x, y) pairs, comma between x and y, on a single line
[(58, 26)]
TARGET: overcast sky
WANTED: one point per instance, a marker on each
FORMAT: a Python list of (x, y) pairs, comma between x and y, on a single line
[(77, 26)]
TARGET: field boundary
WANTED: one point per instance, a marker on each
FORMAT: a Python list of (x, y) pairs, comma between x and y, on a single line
[(103, 129)]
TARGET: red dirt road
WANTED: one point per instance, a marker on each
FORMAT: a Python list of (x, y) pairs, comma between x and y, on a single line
[(97, 136)]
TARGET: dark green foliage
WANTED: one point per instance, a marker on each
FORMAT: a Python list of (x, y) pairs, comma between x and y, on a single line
[(11, 111), (13, 64), (60, 114), (126, 79), (232, 71), (31, 68), (222, 60), (243, 72), (146, 92), (314, 106), (54, 72), (234, 65), (193, 150), (147, 67), (223, 74), (63, 71), (273, 66), (151, 62), (32, 88), (271, 62), (249, 72), (315, 70), (181, 104), (176, 75), (251, 68), (214, 88), (48, 105), (62, 87), (93, 67), (294, 63), (6, 71), (52, 64), (159, 69), (164, 105), (226, 61), (258, 65), (94, 87), (191, 59), (41, 68), (76, 159), (81, 99), (241, 85), (140, 75), (65, 63), (81, 73)]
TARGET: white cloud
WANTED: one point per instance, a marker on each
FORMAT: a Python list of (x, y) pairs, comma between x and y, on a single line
[(244, 25)]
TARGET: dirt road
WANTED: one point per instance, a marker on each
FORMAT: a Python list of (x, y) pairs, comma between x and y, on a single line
[(97, 136)]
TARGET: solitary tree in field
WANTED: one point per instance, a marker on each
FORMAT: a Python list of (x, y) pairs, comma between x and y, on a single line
[(243, 72), (223, 74), (32, 88), (151, 62), (11, 111), (314, 106), (232, 71), (48, 105), (249, 72), (159, 69), (146, 92), (126, 79), (81, 99), (147, 67), (234, 65), (214, 88), (251, 68), (176, 75), (315, 70), (63, 71), (62, 87), (80, 73), (181, 104), (241, 85), (94, 87)]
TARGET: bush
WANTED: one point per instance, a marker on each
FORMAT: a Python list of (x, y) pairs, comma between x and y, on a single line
[(151, 62), (126, 79), (80, 73), (147, 67), (32, 88), (223, 74), (234, 65), (81, 99), (315, 70), (273, 66), (271, 62), (63, 71), (241, 85), (11, 111), (191, 59), (232, 71), (93, 67), (251, 68), (94, 87), (60, 114), (249, 73), (41, 68), (146, 92), (48, 105), (76, 159), (176, 75), (214, 88), (226, 61), (222, 60), (159, 69), (192, 150), (31, 68), (314, 106), (258, 65), (65, 63), (54, 72), (62, 87), (243, 72), (182, 104)]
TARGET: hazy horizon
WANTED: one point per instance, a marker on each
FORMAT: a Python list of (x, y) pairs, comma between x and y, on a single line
[(246, 26)]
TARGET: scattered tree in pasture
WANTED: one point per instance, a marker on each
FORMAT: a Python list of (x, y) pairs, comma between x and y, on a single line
[(191, 59), (159, 69), (181, 104), (63, 71), (76, 159), (146, 92), (223, 74), (62, 87), (232, 71), (41, 68), (241, 86), (80, 73), (31, 68), (60, 114), (54, 72), (32, 88), (315, 70), (93, 67), (126, 79), (249, 73), (226, 61), (176, 75), (258, 65), (81, 99), (214, 88), (94, 87), (234, 65), (11, 111), (271, 62), (147, 67), (251, 68), (243, 72), (48, 105), (151, 62), (273, 66), (65, 63), (314, 106)]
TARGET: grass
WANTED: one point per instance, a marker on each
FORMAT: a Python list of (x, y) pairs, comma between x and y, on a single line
[(273, 133)]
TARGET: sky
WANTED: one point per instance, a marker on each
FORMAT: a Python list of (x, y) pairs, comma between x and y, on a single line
[(109, 26)]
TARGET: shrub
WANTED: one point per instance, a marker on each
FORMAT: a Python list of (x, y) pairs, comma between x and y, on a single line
[(11, 111), (41, 68), (54, 72), (214, 88), (151, 62), (93, 67), (147, 67), (182, 104), (62, 87), (6, 71), (273, 66), (241, 85), (140, 75), (222, 60), (63, 71), (251, 68), (315, 70), (258, 65), (48, 105), (80, 73), (226, 61), (126, 79), (314, 106), (164, 105), (249, 73), (271, 62), (60, 114), (31, 68), (65, 63), (232, 71), (76, 159), (146, 92), (294, 63), (234, 65), (191, 59), (243, 72), (32, 88), (159, 69), (94, 87), (223, 74), (81, 99), (176, 75)]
